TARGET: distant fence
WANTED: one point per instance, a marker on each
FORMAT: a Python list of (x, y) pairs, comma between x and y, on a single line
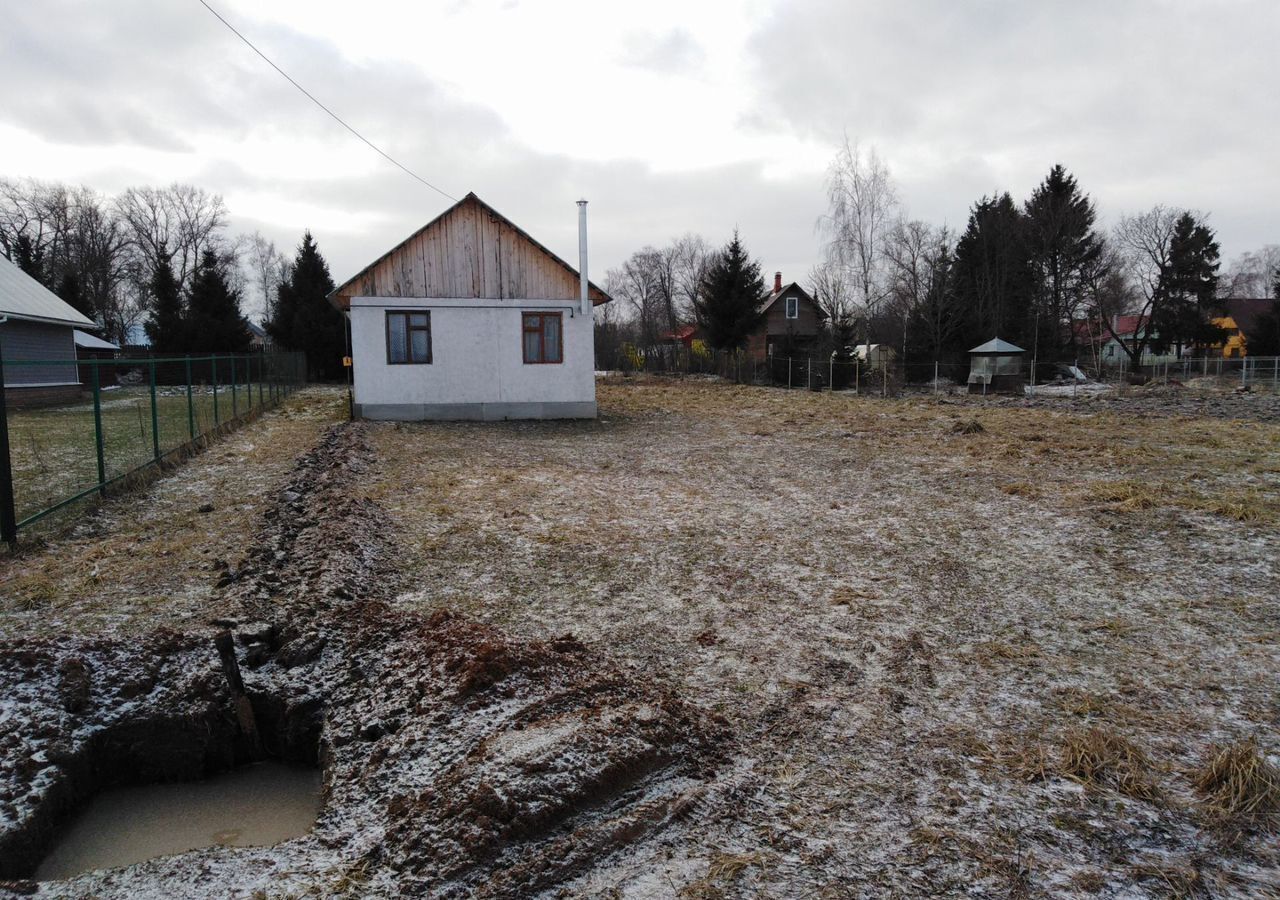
[(71, 430), (884, 375)]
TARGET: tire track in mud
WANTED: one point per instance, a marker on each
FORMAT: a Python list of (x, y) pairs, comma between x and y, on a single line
[(457, 760)]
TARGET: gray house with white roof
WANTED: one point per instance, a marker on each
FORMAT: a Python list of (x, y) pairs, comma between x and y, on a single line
[(37, 324)]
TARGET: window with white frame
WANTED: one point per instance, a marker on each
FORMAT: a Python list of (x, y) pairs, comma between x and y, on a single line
[(793, 307)]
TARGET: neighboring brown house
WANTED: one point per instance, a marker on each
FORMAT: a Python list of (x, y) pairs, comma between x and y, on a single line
[(792, 322)]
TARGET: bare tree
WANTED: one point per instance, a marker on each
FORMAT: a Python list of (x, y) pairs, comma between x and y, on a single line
[(180, 221), (268, 267), (861, 200), (1252, 274), (909, 252), (1144, 242), (637, 283), (834, 295), (692, 257)]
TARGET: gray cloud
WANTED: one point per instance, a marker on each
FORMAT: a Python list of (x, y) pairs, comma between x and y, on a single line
[(1148, 101), (963, 100)]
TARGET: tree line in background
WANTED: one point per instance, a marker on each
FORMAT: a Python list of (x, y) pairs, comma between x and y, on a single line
[(1038, 273), (161, 260)]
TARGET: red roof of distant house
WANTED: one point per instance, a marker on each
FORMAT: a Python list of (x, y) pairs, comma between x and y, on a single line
[(684, 334)]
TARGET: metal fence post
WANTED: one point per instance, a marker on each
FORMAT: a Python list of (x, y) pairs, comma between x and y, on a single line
[(935, 376), (213, 378), (191, 405), (155, 416), (261, 373), (97, 426), (8, 514), (831, 375), (788, 371), (808, 371), (235, 402)]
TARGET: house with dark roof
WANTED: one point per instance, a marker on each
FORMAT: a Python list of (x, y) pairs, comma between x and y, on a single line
[(471, 318), (37, 324), (792, 324)]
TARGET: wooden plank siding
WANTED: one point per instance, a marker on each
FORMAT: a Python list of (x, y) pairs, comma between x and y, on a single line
[(470, 251)]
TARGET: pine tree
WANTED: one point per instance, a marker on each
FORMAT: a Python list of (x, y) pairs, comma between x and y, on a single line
[(728, 301), (992, 276), (28, 257), (1062, 248), (303, 319), (214, 322), (1187, 289), (167, 328)]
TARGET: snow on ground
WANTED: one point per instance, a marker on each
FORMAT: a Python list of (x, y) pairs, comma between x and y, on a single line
[(896, 618), (907, 627)]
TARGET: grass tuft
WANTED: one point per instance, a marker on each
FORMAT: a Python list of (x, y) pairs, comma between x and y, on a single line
[(1239, 786), (1098, 756)]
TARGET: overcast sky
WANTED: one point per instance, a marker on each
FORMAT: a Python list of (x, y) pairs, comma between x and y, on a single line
[(668, 115)]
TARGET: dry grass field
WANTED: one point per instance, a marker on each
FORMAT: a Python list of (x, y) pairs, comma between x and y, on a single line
[(955, 660), (968, 649)]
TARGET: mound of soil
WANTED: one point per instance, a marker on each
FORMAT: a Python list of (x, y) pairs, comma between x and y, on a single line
[(457, 761)]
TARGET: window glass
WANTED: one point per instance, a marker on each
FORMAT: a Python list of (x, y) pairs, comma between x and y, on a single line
[(551, 338), (408, 337), (793, 307), (397, 326), (419, 345), (541, 333)]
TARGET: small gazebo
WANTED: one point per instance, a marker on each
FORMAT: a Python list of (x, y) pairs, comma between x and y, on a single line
[(996, 368)]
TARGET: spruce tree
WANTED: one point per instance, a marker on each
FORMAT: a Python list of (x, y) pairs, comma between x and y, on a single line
[(167, 328), (1062, 248), (69, 289), (214, 322), (1187, 289), (728, 302), (303, 318), (992, 276), (28, 257)]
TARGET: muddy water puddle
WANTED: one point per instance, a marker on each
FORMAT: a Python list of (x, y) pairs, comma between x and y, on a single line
[(252, 806)]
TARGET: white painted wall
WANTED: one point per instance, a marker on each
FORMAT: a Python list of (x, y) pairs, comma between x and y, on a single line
[(477, 358)]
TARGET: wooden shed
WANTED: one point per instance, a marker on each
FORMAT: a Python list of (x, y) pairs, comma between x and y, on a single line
[(472, 318)]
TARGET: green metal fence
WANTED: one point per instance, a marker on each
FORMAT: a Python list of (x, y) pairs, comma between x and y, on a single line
[(71, 430)]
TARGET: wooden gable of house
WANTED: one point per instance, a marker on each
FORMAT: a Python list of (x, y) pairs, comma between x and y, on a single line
[(468, 251)]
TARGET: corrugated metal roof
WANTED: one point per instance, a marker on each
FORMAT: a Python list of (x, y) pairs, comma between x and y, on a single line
[(22, 297), (995, 345), (89, 342)]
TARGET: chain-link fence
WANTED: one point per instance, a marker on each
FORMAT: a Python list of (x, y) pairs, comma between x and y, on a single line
[(70, 430), (883, 374)]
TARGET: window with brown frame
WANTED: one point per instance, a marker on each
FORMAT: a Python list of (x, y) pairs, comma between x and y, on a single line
[(408, 337), (543, 338)]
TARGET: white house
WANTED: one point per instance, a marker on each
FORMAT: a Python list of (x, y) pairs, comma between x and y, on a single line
[(471, 318)]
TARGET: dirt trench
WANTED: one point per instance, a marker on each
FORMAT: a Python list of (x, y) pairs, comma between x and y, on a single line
[(457, 760)]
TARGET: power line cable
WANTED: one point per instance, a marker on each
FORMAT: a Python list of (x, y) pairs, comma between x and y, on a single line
[(333, 114)]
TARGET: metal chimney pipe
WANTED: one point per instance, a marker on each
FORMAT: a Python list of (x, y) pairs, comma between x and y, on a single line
[(584, 300)]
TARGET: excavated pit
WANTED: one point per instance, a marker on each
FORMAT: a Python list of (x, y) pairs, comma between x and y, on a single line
[(456, 760)]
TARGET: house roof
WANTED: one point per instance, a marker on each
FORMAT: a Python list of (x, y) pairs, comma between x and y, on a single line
[(255, 329), (340, 296), (89, 342), (22, 297), (772, 297), (995, 345), (683, 333)]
